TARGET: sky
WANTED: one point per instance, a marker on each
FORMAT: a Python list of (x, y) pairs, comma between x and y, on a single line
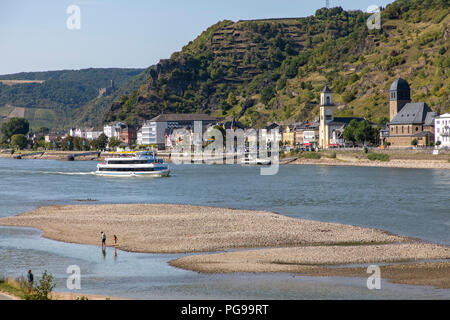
[(41, 35)]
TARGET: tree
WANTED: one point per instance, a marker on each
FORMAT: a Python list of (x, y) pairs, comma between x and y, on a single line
[(15, 126), (67, 143), (267, 93), (364, 132), (41, 142), (360, 132), (281, 83), (349, 131), (101, 142), (78, 143), (231, 100), (414, 142), (19, 141), (113, 142)]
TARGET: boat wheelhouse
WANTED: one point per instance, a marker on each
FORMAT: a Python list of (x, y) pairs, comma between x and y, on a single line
[(253, 159), (133, 164)]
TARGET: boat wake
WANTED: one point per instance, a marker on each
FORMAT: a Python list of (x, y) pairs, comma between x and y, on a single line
[(69, 173)]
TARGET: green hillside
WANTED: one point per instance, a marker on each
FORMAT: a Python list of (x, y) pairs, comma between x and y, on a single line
[(93, 113), (274, 69), (58, 97)]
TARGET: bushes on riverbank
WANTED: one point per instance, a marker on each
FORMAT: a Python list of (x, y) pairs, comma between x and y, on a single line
[(16, 287), (378, 157), (310, 155), (20, 287)]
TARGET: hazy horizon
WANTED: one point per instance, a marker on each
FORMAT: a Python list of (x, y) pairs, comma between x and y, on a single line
[(121, 34)]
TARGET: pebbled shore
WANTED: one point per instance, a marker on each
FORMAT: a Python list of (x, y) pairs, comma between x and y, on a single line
[(253, 241), (162, 228), (394, 163)]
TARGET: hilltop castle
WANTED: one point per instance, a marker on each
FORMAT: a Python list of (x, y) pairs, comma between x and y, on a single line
[(106, 91)]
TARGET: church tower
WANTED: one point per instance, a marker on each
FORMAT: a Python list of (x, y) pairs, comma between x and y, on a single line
[(326, 116), (399, 95)]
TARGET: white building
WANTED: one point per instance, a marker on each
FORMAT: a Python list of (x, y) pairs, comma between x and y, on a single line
[(154, 131), (139, 137), (78, 132), (442, 130), (93, 133), (113, 129)]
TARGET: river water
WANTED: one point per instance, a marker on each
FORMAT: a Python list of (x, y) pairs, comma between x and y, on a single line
[(410, 202)]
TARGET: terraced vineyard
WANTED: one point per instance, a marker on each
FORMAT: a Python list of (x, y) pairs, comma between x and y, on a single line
[(274, 69)]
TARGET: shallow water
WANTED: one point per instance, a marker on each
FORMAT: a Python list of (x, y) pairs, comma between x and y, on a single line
[(412, 202)]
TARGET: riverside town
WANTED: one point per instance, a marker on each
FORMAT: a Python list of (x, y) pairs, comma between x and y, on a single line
[(214, 160)]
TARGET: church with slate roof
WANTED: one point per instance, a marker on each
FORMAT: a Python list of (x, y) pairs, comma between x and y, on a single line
[(409, 121)]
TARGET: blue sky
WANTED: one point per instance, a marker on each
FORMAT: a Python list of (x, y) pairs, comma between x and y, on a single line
[(125, 33)]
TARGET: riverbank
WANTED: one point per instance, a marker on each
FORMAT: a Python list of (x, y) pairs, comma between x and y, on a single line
[(398, 159), (13, 289), (51, 155), (361, 162), (280, 243)]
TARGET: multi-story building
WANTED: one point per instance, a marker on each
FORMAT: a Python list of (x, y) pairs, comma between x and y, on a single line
[(139, 137), (114, 129), (306, 134), (93, 133), (154, 131), (442, 131), (128, 135), (288, 136)]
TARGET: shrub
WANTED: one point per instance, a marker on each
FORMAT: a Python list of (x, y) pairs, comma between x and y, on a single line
[(43, 289), (19, 141), (267, 94), (310, 155), (378, 157)]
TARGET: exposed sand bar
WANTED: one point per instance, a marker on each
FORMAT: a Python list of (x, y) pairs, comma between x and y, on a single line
[(284, 244), (156, 228), (302, 259)]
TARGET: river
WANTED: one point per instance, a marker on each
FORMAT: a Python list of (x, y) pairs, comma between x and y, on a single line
[(410, 202)]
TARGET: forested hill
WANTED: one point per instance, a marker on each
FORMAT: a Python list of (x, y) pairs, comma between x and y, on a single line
[(269, 70), (53, 98)]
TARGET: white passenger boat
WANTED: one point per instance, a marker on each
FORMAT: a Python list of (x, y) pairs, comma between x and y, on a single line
[(143, 163), (251, 159)]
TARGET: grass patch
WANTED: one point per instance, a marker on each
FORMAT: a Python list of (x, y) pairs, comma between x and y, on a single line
[(293, 153), (20, 287), (310, 155), (378, 157), (15, 287)]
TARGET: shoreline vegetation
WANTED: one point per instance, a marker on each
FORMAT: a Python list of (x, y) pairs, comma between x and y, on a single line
[(14, 290), (394, 158), (221, 240)]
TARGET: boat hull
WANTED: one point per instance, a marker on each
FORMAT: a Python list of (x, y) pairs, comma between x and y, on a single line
[(158, 173), (259, 162)]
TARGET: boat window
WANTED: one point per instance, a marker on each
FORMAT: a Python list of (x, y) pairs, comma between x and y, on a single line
[(127, 161), (126, 169)]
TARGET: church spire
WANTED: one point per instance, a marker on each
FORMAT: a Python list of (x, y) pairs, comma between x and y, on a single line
[(326, 97)]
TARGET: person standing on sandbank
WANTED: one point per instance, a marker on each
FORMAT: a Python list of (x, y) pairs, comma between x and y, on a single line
[(115, 246), (103, 240)]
